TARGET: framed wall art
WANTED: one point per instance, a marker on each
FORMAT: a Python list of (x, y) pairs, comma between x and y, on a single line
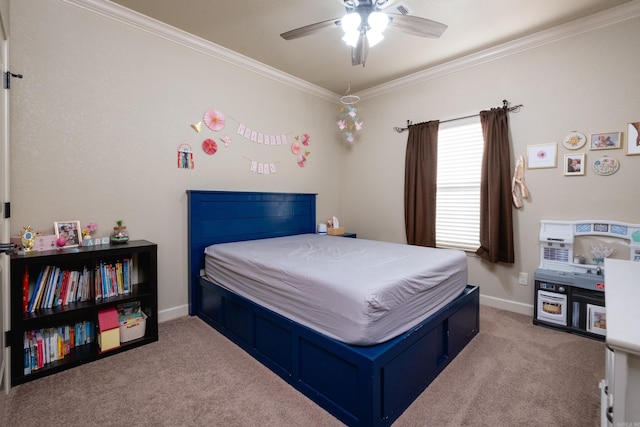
[(574, 164), (574, 141), (542, 156), (70, 231), (606, 141), (633, 139)]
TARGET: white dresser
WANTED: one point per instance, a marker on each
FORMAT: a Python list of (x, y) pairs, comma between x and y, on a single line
[(620, 390)]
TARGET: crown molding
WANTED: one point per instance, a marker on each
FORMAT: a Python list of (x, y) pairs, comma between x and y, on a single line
[(152, 26), (144, 23), (599, 20)]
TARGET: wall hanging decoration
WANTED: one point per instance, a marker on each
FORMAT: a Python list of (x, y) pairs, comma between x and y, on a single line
[(574, 164), (633, 139), (209, 146), (606, 166), (197, 126), (574, 141), (605, 141), (350, 122), (295, 148), (260, 137), (262, 168), (225, 140), (214, 120), (542, 156), (185, 156), (519, 189)]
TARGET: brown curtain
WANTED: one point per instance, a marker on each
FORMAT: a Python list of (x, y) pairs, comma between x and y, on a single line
[(496, 222), (421, 163)]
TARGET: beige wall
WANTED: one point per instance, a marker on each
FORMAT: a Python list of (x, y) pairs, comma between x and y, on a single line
[(98, 117), (103, 106), (586, 83)]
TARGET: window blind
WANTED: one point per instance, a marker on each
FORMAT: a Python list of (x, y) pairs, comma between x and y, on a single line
[(460, 146)]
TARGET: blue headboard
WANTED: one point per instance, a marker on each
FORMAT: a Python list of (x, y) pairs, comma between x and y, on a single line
[(232, 216)]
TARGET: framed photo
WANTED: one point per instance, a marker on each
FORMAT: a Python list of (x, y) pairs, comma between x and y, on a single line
[(70, 230), (633, 139), (542, 156), (574, 164), (605, 141)]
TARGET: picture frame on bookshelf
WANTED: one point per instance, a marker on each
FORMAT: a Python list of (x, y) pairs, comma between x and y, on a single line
[(69, 230)]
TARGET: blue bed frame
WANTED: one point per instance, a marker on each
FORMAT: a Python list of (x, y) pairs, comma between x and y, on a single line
[(361, 386)]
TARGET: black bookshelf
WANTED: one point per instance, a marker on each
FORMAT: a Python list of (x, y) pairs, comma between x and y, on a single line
[(144, 289)]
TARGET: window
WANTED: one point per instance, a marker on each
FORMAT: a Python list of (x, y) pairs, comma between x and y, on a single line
[(460, 146)]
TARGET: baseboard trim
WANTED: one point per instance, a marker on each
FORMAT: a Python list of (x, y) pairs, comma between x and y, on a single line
[(173, 313), (504, 304)]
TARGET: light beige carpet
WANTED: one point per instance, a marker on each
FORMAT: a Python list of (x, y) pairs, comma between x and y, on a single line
[(512, 373)]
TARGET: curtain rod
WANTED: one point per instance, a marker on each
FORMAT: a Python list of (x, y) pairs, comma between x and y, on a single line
[(505, 105)]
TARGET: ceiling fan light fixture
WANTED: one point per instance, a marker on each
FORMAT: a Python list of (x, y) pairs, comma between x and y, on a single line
[(351, 22), (374, 37), (351, 38), (378, 21)]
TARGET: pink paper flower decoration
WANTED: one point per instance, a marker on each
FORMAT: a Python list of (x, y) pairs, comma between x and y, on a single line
[(214, 120), (295, 148), (302, 160), (305, 139)]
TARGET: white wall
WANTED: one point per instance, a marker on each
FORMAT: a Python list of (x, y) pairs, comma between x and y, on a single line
[(586, 83), (102, 108), (100, 113)]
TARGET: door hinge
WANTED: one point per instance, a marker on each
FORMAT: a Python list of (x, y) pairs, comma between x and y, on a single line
[(7, 338), (7, 78), (7, 210)]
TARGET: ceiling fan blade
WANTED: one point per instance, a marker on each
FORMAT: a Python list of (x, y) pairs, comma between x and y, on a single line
[(359, 53), (309, 29), (417, 26)]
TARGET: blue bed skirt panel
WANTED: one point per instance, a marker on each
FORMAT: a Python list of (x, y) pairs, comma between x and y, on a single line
[(361, 386)]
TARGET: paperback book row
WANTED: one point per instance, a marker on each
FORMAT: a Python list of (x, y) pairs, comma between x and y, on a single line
[(43, 346), (57, 287)]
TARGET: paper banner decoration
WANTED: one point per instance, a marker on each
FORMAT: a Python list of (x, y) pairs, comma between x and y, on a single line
[(350, 122), (214, 120), (260, 137), (185, 156), (262, 168)]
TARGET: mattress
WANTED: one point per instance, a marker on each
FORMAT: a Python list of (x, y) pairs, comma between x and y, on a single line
[(360, 292)]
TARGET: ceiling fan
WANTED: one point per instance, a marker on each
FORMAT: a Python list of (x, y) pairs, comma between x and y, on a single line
[(364, 23)]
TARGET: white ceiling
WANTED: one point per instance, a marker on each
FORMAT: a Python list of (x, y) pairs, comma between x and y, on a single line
[(253, 27)]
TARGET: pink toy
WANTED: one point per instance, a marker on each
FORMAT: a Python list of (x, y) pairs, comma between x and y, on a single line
[(61, 242)]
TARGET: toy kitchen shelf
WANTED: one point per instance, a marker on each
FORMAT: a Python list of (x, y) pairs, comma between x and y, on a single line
[(64, 319), (569, 287)]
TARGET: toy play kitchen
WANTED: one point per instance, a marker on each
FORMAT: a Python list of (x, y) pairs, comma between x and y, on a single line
[(569, 282)]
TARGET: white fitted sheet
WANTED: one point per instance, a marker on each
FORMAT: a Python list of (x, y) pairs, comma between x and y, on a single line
[(361, 292)]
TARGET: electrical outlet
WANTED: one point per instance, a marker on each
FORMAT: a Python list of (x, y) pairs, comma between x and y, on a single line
[(523, 278)]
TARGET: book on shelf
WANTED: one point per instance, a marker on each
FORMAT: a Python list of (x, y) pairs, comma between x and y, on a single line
[(47, 345), (113, 279), (57, 287)]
